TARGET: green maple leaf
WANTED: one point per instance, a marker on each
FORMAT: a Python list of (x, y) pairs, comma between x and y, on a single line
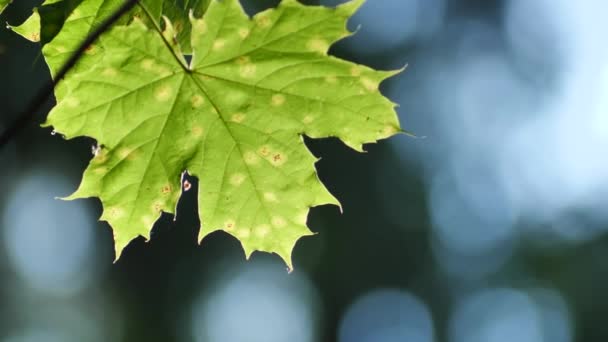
[(233, 116)]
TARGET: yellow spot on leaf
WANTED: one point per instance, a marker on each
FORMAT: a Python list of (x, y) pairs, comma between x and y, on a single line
[(197, 131), (247, 70), (277, 100), (157, 206), (219, 44), (279, 222), (369, 84), (229, 225), (147, 64), (318, 45), (100, 170), (243, 32), (251, 158), (166, 189), (238, 117), (264, 151), (331, 79), (126, 153), (34, 37), (115, 212), (237, 179), (270, 197), (262, 230), (163, 93), (277, 158), (243, 60), (197, 101), (308, 119), (263, 21), (109, 72), (355, 71)]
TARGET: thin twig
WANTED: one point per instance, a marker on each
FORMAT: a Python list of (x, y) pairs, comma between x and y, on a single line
[(28, 114)]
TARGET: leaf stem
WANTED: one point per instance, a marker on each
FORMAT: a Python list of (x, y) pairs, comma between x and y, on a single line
[(43, 94)]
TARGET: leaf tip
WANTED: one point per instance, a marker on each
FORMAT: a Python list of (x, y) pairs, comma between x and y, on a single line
[(118, 249), (288, 262), (410, 134), (248, 251), (334, 201), (285, 252), (357, 146), (120, 243), (75, 195), (398, 71)]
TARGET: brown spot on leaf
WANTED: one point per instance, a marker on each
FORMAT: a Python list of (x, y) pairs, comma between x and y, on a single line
[(278, 159), (90, 49), (264, 151), (229, 225)]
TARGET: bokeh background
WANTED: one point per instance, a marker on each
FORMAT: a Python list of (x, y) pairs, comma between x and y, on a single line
[(489, 226)]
